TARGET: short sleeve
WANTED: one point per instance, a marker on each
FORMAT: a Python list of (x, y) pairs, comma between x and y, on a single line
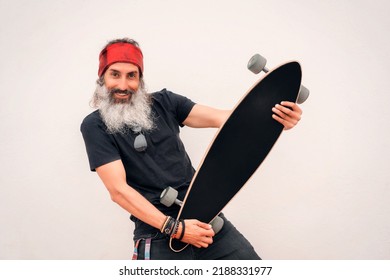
[(101, 146), (181, 106)]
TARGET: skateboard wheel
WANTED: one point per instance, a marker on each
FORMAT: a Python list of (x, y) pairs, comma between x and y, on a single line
[(169, 196), (217, 224), (303, 94), (257, 64)]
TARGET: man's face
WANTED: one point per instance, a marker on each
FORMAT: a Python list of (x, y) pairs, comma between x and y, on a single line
[(122, 79)]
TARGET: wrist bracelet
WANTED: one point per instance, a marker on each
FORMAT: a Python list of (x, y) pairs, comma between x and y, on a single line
[(164, 224), (182, 230), (175, 229), (168, 229)]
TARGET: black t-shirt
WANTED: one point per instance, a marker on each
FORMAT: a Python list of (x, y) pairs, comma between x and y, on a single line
[(164, 163)]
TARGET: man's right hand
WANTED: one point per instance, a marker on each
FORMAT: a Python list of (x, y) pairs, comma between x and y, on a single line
[(197, 233)]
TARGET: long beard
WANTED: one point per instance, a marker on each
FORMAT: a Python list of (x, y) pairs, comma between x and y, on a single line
[(119, 117)]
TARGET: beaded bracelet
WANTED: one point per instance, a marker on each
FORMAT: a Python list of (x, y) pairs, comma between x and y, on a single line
[(176, 228)]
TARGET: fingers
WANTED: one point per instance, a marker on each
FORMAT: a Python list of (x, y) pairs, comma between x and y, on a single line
[(288, 110), (207, 227), (204, 242), (287, 113)]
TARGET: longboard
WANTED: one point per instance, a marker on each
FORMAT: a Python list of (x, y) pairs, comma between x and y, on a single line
[(239, 146)]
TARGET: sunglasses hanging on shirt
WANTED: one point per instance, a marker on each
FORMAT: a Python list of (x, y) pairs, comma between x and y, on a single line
[(140, 143)]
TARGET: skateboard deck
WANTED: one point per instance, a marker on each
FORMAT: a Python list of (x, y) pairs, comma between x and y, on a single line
[(239, 146)]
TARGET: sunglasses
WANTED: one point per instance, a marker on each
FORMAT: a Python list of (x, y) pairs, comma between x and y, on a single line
[(140, 143)]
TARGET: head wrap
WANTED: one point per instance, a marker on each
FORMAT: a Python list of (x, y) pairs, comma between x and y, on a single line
[(120, 52)]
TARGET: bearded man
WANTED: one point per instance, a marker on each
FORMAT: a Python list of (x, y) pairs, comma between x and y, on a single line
[(133, 143)]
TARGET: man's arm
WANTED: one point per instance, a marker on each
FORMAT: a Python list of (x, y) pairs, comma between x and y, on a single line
[(113, 176), (287, 113), (202, 116)]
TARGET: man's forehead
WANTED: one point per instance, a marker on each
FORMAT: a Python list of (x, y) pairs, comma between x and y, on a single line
[(123, 67)]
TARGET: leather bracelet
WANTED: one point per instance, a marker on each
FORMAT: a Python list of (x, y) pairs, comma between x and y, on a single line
[(170, 226), (164, 224)]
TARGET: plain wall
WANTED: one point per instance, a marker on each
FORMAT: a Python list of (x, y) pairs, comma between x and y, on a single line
[(322, 193)]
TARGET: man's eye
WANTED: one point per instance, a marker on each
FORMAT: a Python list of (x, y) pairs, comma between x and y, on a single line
[(132, 75), (114, 74)]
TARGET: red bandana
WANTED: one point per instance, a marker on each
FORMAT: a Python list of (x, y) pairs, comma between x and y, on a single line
[(120, 52)]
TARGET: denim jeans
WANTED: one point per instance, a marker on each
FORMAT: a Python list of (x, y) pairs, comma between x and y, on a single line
[(228, 244)]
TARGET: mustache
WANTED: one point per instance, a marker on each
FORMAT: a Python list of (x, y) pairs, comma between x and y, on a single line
[(125, 91)]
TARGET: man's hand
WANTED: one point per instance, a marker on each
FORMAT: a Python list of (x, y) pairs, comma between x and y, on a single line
[(197, 233), (287, 113)]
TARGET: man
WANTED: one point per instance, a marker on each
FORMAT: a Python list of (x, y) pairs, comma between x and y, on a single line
[(133, 143)]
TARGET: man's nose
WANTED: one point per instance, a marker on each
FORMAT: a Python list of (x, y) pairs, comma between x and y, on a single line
[(123, 84)]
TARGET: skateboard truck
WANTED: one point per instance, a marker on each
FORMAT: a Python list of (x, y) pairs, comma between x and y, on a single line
[(168, 197), (257, 64)]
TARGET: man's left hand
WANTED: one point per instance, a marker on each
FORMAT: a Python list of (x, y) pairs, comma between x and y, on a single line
[(287, 113)]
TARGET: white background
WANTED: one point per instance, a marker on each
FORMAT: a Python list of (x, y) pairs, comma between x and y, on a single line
[(323, 192)]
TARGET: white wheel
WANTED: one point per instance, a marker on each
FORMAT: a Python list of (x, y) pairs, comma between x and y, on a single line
[(168, 196), (303, 94), (257, 64), (217, 224)]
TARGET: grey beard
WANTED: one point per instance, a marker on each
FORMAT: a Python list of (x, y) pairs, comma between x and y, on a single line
[(120, 117)]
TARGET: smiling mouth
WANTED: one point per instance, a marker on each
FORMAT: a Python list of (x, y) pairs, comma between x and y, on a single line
[(122, 94), (122, 97)]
